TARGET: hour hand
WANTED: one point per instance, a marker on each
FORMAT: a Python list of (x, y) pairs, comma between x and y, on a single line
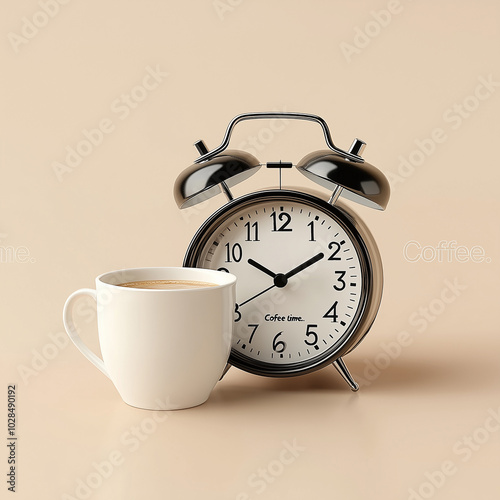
[(304, 265), (260, 267)]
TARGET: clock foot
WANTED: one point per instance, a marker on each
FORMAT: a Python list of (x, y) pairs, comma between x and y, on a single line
[(342, 369), (225, 371)]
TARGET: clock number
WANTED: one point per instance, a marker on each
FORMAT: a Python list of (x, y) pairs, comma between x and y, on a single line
[(253, 332), (281, 217), (332, 313), (255, 228), (314, 335), (340, 279), (278, 345), (223, 269), (337, 250), (311, 225), (236, 252), (237, 312)]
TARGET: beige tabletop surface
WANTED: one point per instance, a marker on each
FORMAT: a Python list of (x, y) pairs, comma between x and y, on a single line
[(101, 105)]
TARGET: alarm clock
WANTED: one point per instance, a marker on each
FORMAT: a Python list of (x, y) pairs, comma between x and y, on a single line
[(309, 272)]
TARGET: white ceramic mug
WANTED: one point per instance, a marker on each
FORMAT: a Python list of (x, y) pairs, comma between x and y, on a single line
[(162, 349)]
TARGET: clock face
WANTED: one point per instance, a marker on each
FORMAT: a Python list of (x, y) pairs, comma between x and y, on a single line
[(300, 288)]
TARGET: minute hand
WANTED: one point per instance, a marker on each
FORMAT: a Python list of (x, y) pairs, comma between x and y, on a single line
[(304, 265), (260, 267)]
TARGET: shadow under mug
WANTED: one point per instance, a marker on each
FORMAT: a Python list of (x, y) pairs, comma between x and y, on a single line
[(162, 349)]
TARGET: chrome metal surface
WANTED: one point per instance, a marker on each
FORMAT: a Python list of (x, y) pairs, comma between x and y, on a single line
[(335, 195), (226, 191), (357, 147), (201, 147), (275, 114), (346, 375), (199, 182), (363, 183)]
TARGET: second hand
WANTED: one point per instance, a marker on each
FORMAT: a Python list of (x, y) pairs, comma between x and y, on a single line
[(255, 296)]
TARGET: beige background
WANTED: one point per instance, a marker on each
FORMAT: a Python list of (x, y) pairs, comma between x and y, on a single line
[(430, 407)]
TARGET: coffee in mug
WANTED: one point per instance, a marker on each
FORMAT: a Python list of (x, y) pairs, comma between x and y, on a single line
[(167, 284)]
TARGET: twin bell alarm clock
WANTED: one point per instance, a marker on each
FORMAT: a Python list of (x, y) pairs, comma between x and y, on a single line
[(309, 271)]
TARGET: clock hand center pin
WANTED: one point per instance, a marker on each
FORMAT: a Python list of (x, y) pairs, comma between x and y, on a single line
[(280, 279)]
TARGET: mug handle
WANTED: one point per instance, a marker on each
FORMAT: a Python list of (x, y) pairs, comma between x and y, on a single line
[(72, 332)]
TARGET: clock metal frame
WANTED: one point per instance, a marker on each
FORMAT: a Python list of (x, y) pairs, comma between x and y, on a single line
[(371, 269)]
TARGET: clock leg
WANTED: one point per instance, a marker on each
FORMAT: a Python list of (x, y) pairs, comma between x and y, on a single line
[(342, 369), (225, 371)]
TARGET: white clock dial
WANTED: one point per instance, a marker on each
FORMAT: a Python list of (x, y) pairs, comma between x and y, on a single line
[(300, 280)]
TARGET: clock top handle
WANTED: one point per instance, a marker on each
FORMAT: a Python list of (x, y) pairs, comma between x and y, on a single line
[(351, 155)]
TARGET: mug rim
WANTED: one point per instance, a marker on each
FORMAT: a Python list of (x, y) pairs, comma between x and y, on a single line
[(231, 279)]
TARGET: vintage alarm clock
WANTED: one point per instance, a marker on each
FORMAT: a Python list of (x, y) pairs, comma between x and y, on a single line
[(309, 271)]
